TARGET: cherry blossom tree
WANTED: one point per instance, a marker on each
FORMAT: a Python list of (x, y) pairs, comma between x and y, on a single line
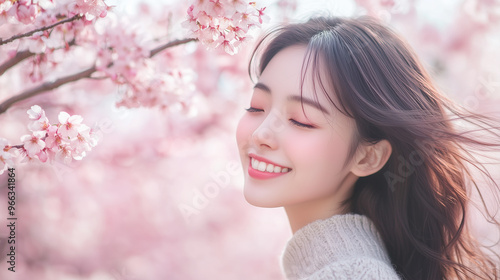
[(149, 100), (59, 60), (44, 30)]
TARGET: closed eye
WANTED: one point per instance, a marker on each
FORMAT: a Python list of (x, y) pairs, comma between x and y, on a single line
[(253, 110), (299, 124)]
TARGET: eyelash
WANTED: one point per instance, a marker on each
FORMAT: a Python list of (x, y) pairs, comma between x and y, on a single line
[(253, 110), (294, 122), (301, 124)]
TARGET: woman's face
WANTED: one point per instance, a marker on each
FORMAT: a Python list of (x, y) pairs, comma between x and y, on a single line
[(293, 150)]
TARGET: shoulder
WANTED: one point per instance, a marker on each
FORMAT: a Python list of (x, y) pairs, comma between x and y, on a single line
[(362, 268), (340, 247)]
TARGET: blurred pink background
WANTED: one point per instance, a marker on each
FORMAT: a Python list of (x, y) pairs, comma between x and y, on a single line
[(160, 196)]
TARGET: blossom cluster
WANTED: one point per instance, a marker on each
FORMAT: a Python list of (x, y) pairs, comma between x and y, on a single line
[(123, 58), (223, 22), (32, 16), (122, 52), (166, 90), (27, 11), (23, 11), (35, 15), (69, 139)]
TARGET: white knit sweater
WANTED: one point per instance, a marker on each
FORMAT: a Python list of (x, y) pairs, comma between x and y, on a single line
[(340, 247)]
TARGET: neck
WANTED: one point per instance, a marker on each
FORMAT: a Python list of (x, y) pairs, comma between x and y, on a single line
[(302, 215)]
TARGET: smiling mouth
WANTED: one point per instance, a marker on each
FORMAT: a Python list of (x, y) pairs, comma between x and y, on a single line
[(268, 167)]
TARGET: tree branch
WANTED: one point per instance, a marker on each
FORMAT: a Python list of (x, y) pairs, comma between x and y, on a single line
[(174, 43), (46, 87), (20, 56), (75, 77), (27, 34)]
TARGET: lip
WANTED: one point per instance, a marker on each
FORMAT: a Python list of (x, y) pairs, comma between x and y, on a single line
[(259, 158), (254, 173)]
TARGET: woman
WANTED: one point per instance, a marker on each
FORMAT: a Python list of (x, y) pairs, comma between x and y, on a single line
[(346, 131)]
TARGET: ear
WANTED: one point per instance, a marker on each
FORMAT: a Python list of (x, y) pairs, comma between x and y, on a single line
[(370, 158)]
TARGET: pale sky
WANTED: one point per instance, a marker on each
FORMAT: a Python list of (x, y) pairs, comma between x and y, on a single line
[(429, 10)]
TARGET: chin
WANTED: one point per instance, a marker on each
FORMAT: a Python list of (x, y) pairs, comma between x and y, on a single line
[(255, 200)]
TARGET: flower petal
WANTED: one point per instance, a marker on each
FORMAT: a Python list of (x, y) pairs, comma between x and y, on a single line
[(63, 117)]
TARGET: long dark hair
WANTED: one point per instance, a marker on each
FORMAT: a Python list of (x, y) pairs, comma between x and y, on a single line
[(419, 199)]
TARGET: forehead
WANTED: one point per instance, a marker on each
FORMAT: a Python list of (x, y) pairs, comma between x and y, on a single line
[(283, 75), (285, 65)]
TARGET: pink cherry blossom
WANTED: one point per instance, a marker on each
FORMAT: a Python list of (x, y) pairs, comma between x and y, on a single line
[(83, 142), (33, 143), (200, 6), (43, 155), (246, 18), (64, 153), (6, 158), (40, 121), (237, 5), (91, 8), (5, 5), (70, 139), (68, 128), (25, 158), (45, 4), (223, 23), (262, 16), (35, 44), (39, 125), (53, 139), (26, 12), (36, 112)]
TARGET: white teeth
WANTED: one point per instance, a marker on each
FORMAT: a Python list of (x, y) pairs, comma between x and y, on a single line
[(255, 163), (267, 167), (270, 167), (262, 166)]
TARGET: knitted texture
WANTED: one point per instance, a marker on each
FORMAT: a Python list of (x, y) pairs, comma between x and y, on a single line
[(340, 247)]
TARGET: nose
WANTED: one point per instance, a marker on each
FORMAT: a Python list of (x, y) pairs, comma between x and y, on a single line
[(266, 135)]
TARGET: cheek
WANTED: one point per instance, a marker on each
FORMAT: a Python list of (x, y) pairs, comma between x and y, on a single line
[(244, 131), (319, 153)]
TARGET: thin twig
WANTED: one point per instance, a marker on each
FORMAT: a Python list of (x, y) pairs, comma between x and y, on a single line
[(174, 43), (27, 34), (20, 146), (75, 77)]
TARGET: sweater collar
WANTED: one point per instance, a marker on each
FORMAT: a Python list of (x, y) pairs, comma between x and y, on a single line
[(323, 242)]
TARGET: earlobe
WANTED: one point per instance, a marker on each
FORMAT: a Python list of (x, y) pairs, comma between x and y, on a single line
[(370, 158)]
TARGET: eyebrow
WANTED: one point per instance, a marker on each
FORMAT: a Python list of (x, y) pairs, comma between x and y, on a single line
[(296, 98)]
